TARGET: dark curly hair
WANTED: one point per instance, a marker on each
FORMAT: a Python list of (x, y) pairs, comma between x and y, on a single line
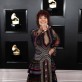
[(43, 13)]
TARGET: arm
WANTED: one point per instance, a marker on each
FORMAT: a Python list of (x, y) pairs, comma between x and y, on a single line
[(34, 35), (56, 39), (55, 43)]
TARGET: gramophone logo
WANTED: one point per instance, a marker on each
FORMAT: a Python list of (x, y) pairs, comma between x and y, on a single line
[(14, 19), (15, 50), (52, 4)]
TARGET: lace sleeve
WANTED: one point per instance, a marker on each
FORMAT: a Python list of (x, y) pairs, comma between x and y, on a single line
[(55, 39), (34, 36)]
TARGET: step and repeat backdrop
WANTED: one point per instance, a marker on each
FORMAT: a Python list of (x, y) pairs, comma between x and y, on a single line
[(18, 19)]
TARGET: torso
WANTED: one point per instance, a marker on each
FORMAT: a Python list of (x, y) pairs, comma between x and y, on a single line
[(42, 43)]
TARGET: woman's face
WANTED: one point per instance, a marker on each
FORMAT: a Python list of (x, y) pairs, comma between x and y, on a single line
[(43, 21)]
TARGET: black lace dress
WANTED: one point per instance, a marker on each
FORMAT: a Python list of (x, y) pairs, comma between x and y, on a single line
[(42, 68)]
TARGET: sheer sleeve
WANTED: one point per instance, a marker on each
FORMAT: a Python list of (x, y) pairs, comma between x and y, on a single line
[(34, 36), (55, 39)]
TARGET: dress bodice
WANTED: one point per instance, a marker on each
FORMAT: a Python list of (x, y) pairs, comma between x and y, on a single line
[(44, 41)]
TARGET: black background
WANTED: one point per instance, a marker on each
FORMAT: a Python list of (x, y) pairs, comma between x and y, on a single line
[(21, 14), (66, 58), (58, 11), (22, 46)]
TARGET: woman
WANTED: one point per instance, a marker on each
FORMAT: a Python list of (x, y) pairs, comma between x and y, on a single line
[(45, 39)]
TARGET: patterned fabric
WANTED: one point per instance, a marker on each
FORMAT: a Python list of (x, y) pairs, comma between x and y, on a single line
[(35, 72), (42, 68)]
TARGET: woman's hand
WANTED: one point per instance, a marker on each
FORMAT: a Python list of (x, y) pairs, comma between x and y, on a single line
[(51, 51)]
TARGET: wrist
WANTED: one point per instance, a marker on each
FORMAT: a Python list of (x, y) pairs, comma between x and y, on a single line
[(54, 48)]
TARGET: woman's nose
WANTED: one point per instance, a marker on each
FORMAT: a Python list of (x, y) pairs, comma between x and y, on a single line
[(43, 19)]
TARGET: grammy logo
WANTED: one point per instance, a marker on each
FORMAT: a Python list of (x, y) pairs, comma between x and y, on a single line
[(14, 19), (52, 4), (15, 50)]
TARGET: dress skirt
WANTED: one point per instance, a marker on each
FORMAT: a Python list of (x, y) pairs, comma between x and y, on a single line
[(34, 72)]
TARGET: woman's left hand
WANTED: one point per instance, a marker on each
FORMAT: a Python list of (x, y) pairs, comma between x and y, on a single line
[(51, 51)]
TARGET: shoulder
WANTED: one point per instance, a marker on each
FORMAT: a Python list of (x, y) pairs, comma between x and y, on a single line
[(52, 30), (34, 31)]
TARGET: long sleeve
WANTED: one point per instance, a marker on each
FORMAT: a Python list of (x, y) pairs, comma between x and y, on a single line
[(55, 39), (33, 36)]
